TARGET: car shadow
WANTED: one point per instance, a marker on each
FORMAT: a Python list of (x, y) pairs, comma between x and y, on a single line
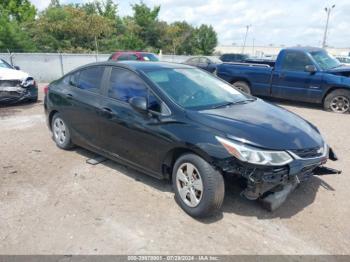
[(161, 185), (13, 108), (303, 196)]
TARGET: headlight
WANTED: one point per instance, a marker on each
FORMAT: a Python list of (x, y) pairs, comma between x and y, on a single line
[(254, 155), (28, 82)]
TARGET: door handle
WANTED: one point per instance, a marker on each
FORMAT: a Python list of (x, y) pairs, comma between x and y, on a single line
[(69, 96), (107, 111)]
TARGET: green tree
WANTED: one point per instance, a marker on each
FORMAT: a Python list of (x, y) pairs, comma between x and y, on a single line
[(205, 40), (147, 25), (13, 15), (13, 38), (17, 10), (70, 29)]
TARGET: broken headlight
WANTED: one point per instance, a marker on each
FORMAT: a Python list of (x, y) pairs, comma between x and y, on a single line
[(254, 155), (28, 82)]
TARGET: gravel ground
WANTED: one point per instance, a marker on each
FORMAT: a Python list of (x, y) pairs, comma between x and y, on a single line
[(52, 202)]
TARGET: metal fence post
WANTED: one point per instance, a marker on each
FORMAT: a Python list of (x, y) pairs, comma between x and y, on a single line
[(61, 62)]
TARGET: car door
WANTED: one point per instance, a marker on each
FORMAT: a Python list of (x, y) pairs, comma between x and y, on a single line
[(84, 95), (135, 137), (291, 81)]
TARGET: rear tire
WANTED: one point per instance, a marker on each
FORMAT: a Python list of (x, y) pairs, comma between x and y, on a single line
[(199, 188), (61, 132), (338, 101), (242, 86)]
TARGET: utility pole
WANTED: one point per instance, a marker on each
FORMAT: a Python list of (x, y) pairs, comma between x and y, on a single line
[(96, 51), (253, 47), (245, 37), (328, 11)]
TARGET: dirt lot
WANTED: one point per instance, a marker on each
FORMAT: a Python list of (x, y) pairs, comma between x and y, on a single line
[(51, 201)]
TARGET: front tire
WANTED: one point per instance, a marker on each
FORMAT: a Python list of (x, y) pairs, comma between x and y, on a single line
[(199, 188), (242, 86), (338, 101), (61, 133)]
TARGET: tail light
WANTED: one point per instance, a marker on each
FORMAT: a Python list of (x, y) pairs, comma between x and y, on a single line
[(46, 90)]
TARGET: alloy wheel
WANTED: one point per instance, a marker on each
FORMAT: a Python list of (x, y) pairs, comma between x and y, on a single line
[(340, 104), (59, 130), (189, 184)]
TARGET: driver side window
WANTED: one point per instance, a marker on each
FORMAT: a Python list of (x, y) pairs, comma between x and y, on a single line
[(124, 84), (295, 61)]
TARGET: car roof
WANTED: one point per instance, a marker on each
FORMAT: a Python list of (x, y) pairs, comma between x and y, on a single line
[(139, 65), (131, 52)]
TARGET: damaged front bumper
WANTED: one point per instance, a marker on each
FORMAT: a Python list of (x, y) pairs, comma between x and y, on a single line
[(14, 91), (272, 185)]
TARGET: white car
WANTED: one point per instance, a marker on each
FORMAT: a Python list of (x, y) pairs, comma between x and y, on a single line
[(345, 60), (16, 85)]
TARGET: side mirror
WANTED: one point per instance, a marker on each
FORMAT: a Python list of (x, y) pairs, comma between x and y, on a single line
[(16, 67), (139, 103), (311, 69)]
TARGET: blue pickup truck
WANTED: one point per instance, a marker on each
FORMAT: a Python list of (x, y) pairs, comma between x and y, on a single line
[(304, 74)]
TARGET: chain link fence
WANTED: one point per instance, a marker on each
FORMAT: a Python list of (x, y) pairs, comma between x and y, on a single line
[(46, 67)]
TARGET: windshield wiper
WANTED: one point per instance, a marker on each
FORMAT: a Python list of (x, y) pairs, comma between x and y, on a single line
[(223, 105), (234, 103), (245, 101)]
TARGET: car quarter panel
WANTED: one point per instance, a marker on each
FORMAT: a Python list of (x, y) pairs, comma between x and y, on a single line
[(257, 77)]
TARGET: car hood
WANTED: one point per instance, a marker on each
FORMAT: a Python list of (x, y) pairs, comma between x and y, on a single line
[(261, 124), (341, 70), (12, 74)]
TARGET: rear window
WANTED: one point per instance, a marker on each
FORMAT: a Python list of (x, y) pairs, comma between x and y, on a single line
[(150, 57)]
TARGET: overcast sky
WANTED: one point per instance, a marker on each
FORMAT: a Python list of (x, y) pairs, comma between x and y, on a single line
[(288, 22)]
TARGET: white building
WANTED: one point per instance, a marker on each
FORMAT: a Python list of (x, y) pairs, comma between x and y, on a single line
[(269, 51)]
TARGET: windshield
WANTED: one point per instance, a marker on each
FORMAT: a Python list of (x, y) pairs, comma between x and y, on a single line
[(194, 89), (325, 60), (3, 64), (150, 57)]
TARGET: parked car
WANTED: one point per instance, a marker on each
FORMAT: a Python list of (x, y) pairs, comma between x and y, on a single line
[(345, 60), (301, 74), (233, 57), (174, 121), (133, 55), (16, 85), (204, 62)]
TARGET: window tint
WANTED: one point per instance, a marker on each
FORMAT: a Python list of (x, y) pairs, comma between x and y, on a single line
[(73, 80), (67, 79), (124, 85), (295, 61), (123, 57), (90, 78), (133, 57), (154, 103), (150, 57), (127, 57)]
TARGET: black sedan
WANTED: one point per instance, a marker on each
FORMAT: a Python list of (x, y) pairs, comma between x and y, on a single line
[(177, 122), (204, 62)]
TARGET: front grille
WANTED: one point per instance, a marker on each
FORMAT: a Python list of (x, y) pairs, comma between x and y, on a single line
[(7, 83), (309, 152)]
